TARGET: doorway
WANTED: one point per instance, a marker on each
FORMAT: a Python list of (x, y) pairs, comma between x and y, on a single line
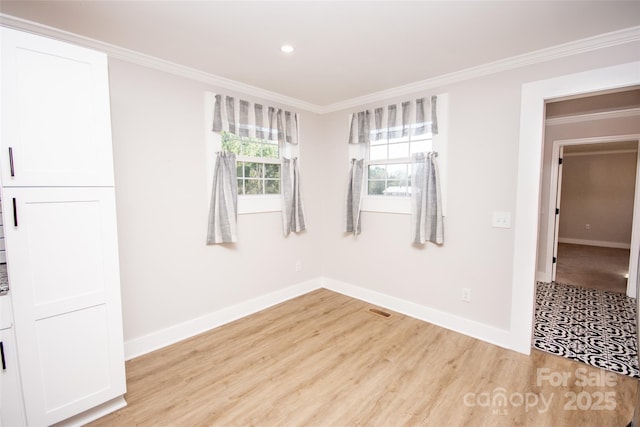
[(528, 200), (592, 228), (591, 196)]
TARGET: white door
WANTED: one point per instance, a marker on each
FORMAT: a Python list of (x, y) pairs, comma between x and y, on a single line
[(63, 264), (56, 125), (556, 231)]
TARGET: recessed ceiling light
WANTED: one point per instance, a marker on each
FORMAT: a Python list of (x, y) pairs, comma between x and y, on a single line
[(286, 48)]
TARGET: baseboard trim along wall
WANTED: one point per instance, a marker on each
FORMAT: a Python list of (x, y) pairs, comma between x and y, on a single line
[(600, 243), (471, 328), (162, 338)]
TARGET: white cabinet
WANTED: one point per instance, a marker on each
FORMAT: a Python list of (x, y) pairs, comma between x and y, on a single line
[(11, 407), (56, 128), (60, 230), (12, 413), (62, 257)]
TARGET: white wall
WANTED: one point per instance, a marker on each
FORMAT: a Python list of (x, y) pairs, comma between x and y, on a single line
[(169, 276), (598, 189), (483, 154)]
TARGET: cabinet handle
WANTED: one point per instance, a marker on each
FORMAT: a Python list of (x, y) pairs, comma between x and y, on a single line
[(11, 162), (4, 362), (15, 213)]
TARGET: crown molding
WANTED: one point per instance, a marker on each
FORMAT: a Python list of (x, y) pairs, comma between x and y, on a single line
[(138, 58), (614, 38), (604, 115), (627, 35)]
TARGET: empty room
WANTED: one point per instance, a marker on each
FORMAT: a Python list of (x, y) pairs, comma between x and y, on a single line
[(318, 213)]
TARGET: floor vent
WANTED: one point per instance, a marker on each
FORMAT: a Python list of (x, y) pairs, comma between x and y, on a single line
[(380, 312)]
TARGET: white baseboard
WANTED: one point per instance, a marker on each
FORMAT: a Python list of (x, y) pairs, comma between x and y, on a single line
[(162, 338), (542, 276), (601, 243), (490, 334)]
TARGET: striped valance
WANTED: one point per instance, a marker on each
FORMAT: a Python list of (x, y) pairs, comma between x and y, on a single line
[(244, 118), (410, 118)]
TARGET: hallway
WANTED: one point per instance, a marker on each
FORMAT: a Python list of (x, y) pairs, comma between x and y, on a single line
[(593, 267)]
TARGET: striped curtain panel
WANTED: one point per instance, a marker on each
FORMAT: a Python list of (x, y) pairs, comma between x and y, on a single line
[(244, 118), (292, 209), (355, 190), (427, 222), (410, 118), (223, 212)]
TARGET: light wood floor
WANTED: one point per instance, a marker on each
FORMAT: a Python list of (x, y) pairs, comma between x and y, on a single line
[(324, 359)]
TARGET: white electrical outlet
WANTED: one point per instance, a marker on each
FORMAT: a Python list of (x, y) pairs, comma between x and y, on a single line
[(466, 294), (298, 265), (501, 220), (587, 226)]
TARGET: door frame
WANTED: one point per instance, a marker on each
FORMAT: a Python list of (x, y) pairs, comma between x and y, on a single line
[(554, 191), (533, 97), (557, 174)]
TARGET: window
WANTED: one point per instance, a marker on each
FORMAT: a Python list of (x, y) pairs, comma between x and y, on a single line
[(388, 164), (258, 164), (258, 160)]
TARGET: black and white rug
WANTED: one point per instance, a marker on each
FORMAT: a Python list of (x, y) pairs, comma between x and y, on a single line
[(588, 325)]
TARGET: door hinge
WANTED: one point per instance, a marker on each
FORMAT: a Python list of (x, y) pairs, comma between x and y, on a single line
[(557, 211), (560, 161), (555, 260)]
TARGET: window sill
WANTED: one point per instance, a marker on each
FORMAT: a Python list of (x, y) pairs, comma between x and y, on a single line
[(387, 204), (259, 204)]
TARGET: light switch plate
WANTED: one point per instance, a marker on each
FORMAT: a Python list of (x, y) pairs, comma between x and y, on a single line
[(501, 220)]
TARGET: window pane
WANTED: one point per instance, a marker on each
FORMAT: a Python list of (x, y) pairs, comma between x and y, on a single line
[(271, 170), (378, 152), (240, 187), (270, 151), (398, 172), (377, 172), (253, 186), (253, 170), (399, 138), (231, 144), (396, 190), (420, 146), (239, 168), (272, 186), (399, 150), (381, 141), (253, 149), (376, 187)]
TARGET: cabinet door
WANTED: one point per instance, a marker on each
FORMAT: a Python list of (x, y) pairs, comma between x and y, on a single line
[(56, 126), (63, 265), (12, 414)]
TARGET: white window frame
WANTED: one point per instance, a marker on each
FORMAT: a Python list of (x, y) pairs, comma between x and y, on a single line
[(247, 204), (261, 160), (402, 204)]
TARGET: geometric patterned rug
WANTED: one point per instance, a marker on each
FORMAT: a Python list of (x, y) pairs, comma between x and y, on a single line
[(587, 325)]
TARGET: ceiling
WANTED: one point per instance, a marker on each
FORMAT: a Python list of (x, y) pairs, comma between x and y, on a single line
[(343, 49)]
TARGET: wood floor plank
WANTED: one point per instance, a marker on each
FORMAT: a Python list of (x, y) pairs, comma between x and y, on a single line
[(324, 359)]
